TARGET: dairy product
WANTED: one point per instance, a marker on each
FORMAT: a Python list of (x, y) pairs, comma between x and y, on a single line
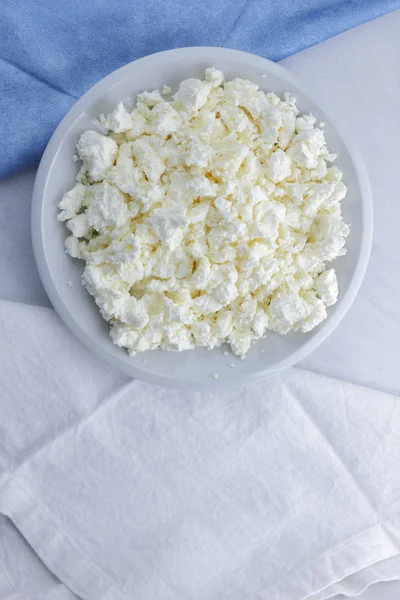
[(207, 216)]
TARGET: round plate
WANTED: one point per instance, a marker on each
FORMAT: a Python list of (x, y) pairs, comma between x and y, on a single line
[(194, 368)]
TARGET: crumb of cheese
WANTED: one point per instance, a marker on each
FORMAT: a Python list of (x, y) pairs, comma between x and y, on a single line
[(207, 217)]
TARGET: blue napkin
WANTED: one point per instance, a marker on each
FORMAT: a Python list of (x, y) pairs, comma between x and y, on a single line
[(52, 51)]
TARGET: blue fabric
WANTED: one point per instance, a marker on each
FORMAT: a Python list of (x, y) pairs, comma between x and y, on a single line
[(52, 51)]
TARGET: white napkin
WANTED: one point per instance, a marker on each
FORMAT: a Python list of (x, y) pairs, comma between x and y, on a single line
[(274, 491)]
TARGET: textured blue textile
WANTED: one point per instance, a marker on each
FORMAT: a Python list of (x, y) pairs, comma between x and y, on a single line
[(52, 51)]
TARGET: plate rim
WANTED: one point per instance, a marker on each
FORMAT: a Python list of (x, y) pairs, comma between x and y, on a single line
[(56, 299)]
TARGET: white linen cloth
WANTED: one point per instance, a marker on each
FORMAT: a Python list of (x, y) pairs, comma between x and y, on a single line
[(284, 490), (126, 490)]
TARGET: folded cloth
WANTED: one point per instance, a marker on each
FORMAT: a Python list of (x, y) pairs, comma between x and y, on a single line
[(276, 491), (22, 575), (51, 51)]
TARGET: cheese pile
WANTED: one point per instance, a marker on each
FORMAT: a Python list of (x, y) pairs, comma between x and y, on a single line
[(206, 217)]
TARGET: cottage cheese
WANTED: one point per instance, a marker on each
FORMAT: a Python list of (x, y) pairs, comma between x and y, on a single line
[(206, 217)]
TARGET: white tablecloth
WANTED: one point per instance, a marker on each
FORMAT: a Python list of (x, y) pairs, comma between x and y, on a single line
[(355, 76)]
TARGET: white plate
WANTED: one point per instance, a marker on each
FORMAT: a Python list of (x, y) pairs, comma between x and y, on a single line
[(56, 175)]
